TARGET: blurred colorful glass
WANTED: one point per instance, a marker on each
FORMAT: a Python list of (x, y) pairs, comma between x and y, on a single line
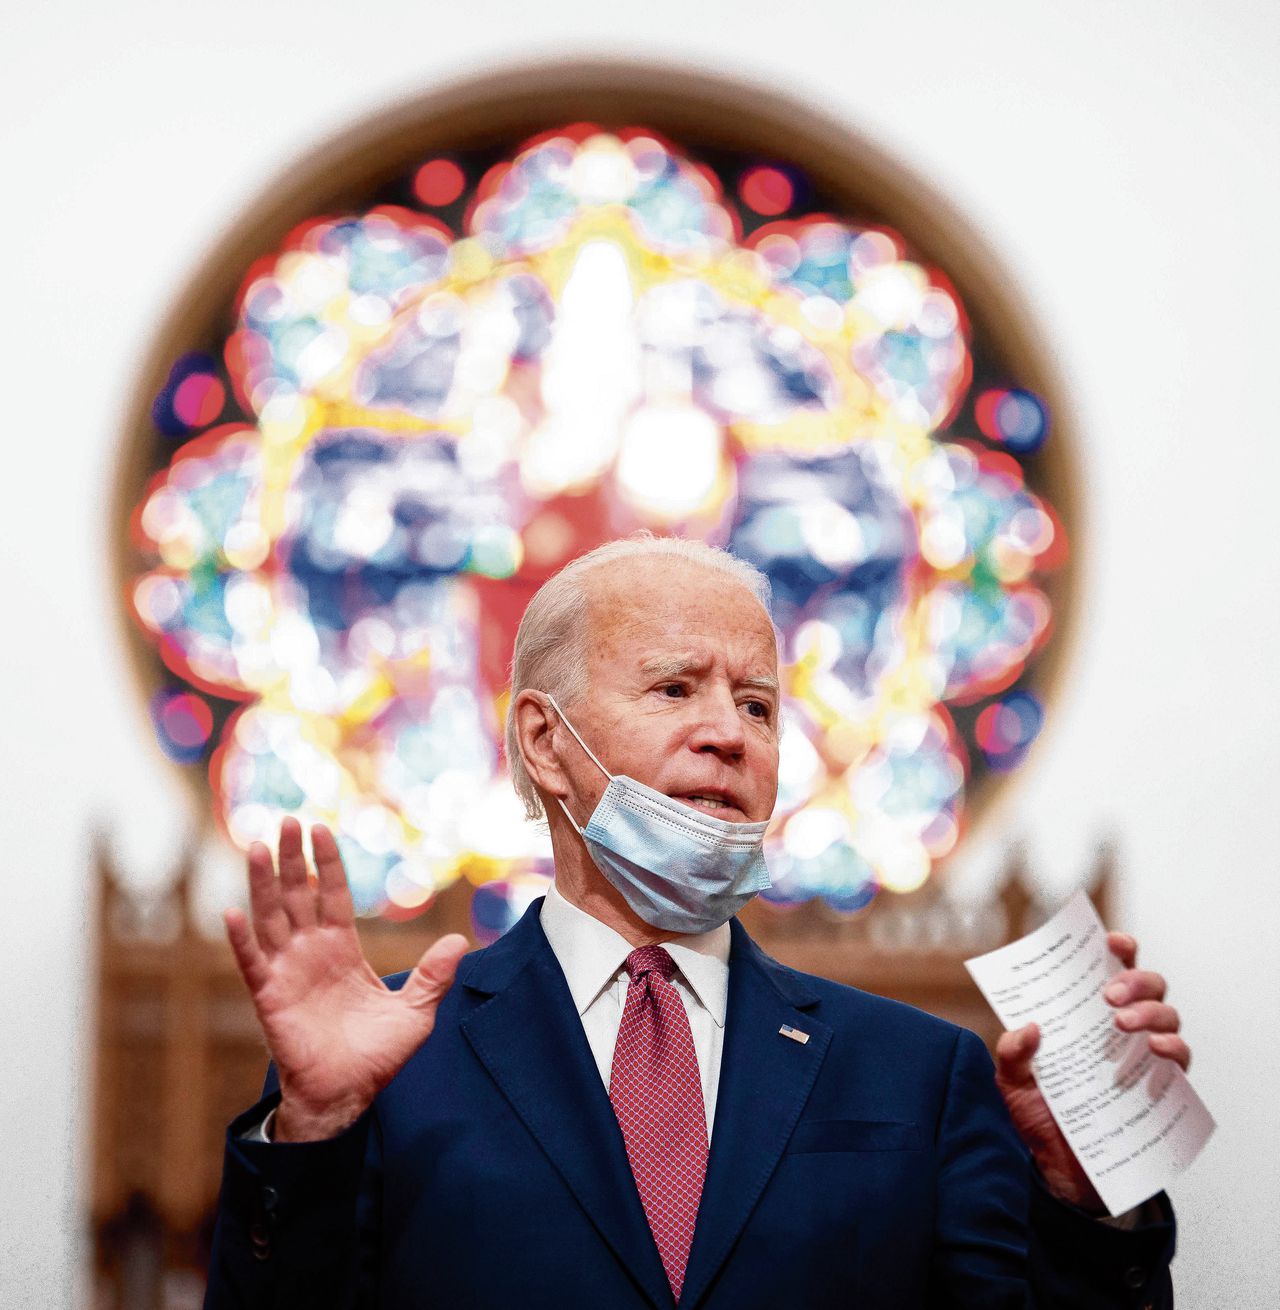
[(192, 398), (1013, 417), (434, 422)]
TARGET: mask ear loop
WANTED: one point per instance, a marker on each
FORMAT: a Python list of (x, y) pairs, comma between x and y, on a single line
[(590, 753), (576, 738)]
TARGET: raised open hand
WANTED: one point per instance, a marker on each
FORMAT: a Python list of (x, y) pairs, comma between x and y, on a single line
[(337, 1034), (1138, 995)]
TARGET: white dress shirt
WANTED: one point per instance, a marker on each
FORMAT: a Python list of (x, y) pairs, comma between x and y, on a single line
[(592, 957)]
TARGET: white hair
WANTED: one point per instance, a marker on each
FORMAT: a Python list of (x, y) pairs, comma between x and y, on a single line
[(551, 643)]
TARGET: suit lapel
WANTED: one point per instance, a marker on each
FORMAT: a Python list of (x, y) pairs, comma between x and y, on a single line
[(530, 1038), (765, 1079)]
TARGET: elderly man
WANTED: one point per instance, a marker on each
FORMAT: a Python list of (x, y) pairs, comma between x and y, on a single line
[(623, 1102)]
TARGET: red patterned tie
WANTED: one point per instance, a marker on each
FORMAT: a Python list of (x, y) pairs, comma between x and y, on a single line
[(657, 1096)]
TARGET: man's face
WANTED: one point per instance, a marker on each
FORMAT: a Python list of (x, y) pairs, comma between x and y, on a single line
[(682, 690)]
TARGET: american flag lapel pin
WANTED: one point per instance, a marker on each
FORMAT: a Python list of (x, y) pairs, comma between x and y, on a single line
[(794, 1033)]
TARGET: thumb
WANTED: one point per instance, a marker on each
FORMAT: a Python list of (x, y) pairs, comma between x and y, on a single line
[(1014, 1052), (433, 974)]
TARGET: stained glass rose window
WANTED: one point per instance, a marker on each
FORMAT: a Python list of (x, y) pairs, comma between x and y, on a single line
[(420, 409)]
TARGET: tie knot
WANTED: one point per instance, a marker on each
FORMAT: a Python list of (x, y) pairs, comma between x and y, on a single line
[(650, 959)]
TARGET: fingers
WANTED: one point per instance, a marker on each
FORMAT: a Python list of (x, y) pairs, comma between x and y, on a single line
[(1123, 947), (1139, 996), (270, 922), (1014, 1052), (434, 972), (334, 893), (1148, 1016), (289, 903), (1135, 985), (249, 956), (1171, 1047), (296, 894)]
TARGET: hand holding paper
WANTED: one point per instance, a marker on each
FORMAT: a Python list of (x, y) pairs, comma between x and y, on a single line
[(1094, 1080)]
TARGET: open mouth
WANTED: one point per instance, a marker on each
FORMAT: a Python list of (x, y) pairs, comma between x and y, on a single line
[(716, 803)]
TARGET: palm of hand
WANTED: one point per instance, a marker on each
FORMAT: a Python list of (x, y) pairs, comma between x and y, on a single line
[(337, 1034)]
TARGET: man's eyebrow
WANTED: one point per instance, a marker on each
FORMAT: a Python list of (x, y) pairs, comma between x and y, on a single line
[(669, 665), (760, 683)]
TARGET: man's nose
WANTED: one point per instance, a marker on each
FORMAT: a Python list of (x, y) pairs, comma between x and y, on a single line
[(718, 727)]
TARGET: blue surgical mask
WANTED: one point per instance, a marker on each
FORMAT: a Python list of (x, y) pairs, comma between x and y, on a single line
[(678, 870)]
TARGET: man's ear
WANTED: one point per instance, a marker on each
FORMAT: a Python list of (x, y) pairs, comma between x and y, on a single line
[(535, 736)]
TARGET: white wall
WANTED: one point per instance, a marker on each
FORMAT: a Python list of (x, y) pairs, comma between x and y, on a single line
[(1121, 155)]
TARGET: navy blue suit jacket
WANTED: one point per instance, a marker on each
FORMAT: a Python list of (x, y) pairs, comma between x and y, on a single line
[(873, 1166)]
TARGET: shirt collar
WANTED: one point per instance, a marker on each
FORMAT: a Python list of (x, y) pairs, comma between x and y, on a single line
[(591, 954)]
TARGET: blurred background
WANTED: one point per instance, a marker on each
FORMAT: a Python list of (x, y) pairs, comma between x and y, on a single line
[(959, 322)]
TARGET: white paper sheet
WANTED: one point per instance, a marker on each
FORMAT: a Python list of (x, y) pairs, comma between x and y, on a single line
[(1132, 1118)]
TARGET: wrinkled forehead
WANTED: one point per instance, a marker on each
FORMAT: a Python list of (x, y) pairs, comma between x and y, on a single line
[(636, 607)]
